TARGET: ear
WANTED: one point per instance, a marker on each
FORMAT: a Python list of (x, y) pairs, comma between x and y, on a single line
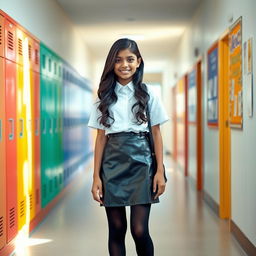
[(139, 61)]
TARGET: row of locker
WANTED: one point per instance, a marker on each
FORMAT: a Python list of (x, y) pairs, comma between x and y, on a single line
[(43, 131)]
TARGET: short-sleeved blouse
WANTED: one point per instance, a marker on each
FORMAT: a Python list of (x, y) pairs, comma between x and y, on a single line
[(121, 111)]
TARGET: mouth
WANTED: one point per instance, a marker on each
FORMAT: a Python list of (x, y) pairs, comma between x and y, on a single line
[(124, 72)]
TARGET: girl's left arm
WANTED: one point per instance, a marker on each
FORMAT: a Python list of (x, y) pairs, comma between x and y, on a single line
[(159, 181)]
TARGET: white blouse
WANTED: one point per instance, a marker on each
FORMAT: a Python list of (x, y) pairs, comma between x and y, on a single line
[(125, 120)]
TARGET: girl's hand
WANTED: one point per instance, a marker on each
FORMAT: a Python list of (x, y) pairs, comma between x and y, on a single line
[(97, 189), (159, 183)]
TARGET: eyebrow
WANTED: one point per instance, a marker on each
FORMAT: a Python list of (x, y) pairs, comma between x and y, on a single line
[(126, 57)]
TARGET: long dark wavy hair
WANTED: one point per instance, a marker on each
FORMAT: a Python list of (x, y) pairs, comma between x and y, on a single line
[(106, 91)]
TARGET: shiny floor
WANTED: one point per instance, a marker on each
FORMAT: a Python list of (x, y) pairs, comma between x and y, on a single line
[(181, 225)]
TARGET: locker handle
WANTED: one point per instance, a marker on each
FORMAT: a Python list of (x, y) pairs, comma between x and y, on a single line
[(37, 126), (21, 127), (0, 129), (11, 135)]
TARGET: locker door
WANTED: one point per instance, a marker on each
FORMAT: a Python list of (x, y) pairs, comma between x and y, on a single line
[(1, 37), (11, 149), (2, 158), (22, 150), (36, 55), (30, 124), (36, 135)]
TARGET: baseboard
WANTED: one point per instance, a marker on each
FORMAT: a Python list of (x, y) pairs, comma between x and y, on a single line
[(245, 243), (211, 202)]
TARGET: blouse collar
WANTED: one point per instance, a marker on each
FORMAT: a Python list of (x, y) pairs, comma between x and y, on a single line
[(129, 86)]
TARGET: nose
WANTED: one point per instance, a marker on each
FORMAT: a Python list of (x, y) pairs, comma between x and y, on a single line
[(124, 63)]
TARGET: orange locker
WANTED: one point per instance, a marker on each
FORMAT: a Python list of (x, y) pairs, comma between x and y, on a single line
[(10, 40), (1, 36), (36, 134), (11, 148), (2, 158), (36, 56)]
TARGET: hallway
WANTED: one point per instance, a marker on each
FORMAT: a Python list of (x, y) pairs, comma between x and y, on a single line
[(181, 225)]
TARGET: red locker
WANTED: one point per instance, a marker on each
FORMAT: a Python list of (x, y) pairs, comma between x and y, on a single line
[(1, 36), (10, 40), (36, 56), (11, 150), (2, 158), (37, 161)]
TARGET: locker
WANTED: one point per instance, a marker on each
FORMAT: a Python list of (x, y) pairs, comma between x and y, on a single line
[(30, 125), (11, 148), (22, 147), (36, 56), (10, 41), (2, 158), (36, 134), (1, 36)]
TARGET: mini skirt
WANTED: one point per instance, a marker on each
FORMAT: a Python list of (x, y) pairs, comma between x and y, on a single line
[(126, 170)]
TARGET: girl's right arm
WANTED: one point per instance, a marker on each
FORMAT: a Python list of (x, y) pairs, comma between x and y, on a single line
[(98, 152)]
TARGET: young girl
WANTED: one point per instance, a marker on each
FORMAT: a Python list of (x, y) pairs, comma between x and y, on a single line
[(123, 174)]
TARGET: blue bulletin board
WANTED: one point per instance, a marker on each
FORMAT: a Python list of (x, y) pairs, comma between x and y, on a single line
[(192, 96), (212, 86)]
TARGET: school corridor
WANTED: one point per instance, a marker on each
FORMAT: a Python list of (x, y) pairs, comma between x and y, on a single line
[(199, 61)]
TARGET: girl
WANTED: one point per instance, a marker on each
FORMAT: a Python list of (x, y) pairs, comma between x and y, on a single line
[(123, 175)]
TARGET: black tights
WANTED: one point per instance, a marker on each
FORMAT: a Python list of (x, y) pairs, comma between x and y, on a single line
[(117, 224)]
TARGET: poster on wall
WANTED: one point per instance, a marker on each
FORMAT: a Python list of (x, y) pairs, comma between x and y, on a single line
[(248, 72), (212, 86), (192, 99), (235, 75)]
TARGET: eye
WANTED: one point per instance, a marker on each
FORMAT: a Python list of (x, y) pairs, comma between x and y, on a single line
[(117, 60), (130, 59)]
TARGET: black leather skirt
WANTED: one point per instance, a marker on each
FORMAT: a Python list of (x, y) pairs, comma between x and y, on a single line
[(126, 170)]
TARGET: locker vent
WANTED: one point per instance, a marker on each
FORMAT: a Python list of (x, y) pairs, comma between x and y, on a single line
[(29, 51), (37, 196), (1, 226), (12, 217), (36, 56), (10, 41), (22, 208), (30, 201), (0, 34), (20, 50), (44, 191)]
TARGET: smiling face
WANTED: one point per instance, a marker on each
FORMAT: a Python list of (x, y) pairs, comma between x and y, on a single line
[(125, 67)]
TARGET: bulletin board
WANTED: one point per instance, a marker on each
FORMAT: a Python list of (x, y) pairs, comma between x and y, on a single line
[(212, 86), (192, 96), (235, 75)]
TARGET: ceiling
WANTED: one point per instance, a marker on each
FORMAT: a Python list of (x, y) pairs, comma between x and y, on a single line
[(156, 25)]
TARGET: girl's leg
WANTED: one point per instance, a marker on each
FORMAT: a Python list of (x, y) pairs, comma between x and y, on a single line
[(139, 229), (117, 225)]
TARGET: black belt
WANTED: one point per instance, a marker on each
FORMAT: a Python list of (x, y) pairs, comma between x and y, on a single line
[(127, 134)]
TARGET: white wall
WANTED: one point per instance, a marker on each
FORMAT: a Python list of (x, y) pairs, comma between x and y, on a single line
[(48, 22), (211, 20)]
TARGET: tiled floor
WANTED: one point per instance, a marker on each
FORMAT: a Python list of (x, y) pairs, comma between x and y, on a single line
[(181, 225)]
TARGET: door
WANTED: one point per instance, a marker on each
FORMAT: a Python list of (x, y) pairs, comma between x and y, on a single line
[(224, 129)]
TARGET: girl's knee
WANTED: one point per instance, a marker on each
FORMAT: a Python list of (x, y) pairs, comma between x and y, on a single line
[(118, 229), (139, 232)]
